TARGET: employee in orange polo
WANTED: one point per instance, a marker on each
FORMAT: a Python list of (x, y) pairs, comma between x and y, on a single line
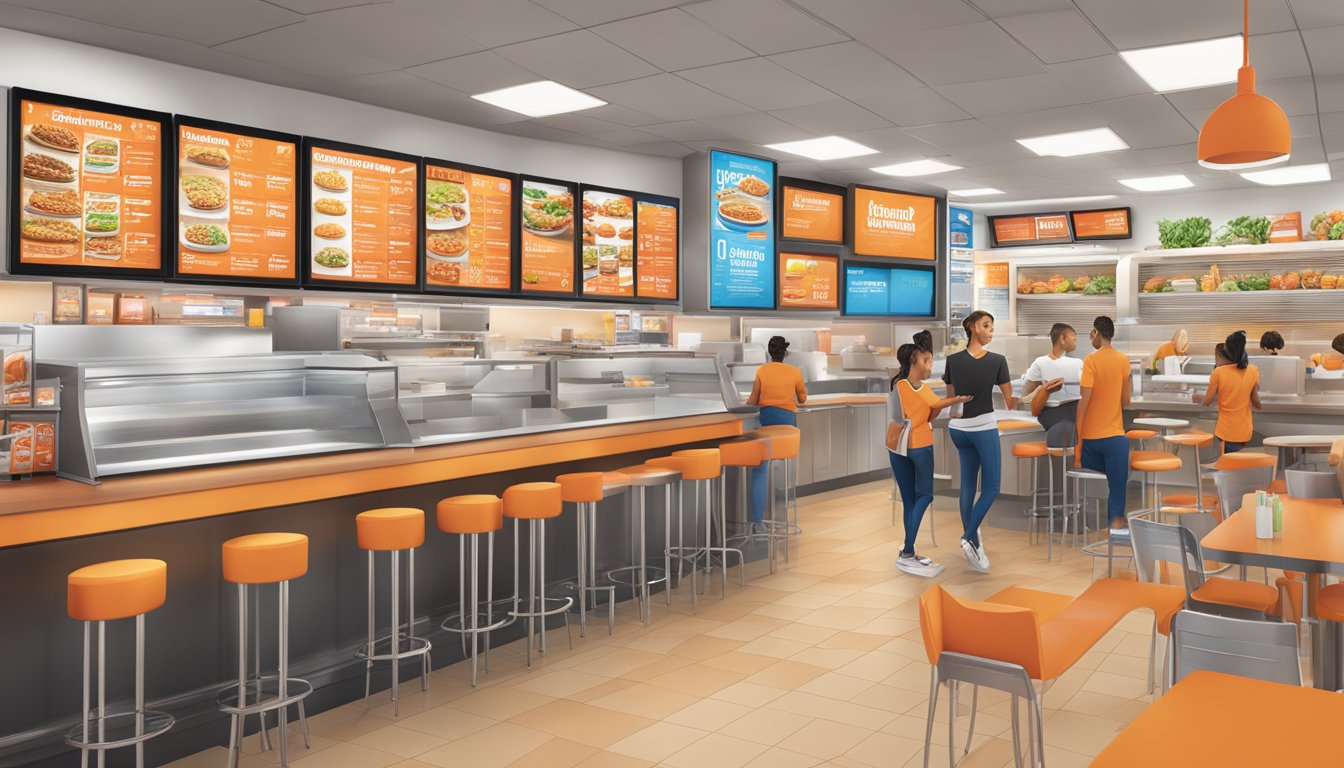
[(1106, 389), (1179, 346), (778, 391), (1235, 386)]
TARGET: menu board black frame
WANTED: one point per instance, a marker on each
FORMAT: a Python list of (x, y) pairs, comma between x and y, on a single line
[(905, 265), (300, 222), (675, 204), (574, 292), (878, 259), (15, 155), (1129, 222), (790, 182), (634, 240), (515, 233), (994, 240), (305, 220)]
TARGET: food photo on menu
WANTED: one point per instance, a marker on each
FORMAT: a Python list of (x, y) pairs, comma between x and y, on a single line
[(548, 237), (608, 244), (330, 222), (447, 244)]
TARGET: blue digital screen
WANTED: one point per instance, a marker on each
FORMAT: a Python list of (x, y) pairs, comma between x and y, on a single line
[(741, 232), (889, 291), (867, 290)]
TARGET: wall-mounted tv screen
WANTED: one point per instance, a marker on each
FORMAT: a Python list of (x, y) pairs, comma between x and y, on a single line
[(890, 291)]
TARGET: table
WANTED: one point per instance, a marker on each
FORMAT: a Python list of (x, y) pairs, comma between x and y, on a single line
[(1214, 719), (1312, 541), (1302, 443), (1166, 425)]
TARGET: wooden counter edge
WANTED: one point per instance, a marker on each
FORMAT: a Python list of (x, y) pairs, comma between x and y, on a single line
[(48, 508)]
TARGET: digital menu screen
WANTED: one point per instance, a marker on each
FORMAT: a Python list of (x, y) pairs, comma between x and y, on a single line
[(363, 217), (1103, 224), (808, 281), (469, 228), (811, 211), (657, 247), (895, 225), (742, 241), (86, 189), (236, 203), (548, 237), (1032, 229), (608, 253), (896, 292)]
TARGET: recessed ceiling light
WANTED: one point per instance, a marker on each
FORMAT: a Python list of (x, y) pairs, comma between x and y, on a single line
[(1075, 143), (1292, 174), (1158, 183), (824, 148), (916, 168), (1187, 65), (977, 192), (1044, 201), (539, 99)]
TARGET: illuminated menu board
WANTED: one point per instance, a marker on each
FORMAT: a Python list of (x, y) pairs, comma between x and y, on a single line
[(741, 237), (548, 239), (1032, 229), (363, 218), (1101, 224), (811, 211), (608, 253), (658, 247), (808, 281), (894, 225), (895, 292), (469, 228), (236, 202), (86, 187)]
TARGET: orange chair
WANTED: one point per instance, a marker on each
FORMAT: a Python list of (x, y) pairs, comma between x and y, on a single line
[(103, 592), (584, 490), (469, 517), (264, 558), (536, 503), (1328, 605), (393, 530)]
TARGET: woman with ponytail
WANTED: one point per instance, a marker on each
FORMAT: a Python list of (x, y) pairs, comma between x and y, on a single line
[(911, 409), (1235, 386), (778, 391)]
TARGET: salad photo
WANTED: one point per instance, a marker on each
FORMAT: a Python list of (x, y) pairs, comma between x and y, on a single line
[(547, 213), (446, 205)]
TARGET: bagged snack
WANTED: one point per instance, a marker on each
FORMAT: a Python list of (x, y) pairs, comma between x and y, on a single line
[(44, 445), (18, 375), (21, 448)]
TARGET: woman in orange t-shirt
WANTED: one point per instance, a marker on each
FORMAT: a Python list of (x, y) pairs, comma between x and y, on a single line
[(778, 390), (1235, 385)]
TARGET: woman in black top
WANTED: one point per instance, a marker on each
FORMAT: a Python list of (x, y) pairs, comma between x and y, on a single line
[(975, 371)]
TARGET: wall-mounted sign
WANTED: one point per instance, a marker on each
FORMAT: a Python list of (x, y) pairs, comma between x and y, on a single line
[(811, 211), (469, 228), (1101, 224), (1030, 229), (894, 225), (960, 232), (889, 291), (657, 247), (548, 237), (742, 238), (808, 281)]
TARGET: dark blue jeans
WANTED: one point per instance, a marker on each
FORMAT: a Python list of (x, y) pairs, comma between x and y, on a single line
[(1110, 455), (981, 459), (1229, 447), (770, 417), (914, 476)]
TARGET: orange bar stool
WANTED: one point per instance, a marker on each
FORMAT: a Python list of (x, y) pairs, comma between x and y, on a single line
[(690, 468), (536, 503), (1034, 450), (103, 592), (470, 517), (1150, 465), (743, 455), (788, 467), (713, 464), (1064, 451), (785, 445), (1183, 503), (257, 560), (584, 490), (642, 478), (1141, 436), (393, 530), (703, 470)]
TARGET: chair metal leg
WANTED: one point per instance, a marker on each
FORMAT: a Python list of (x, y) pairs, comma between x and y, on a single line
[(952, 723), (1017, 733), (1038, 756), (581, 520), (1152, 656), (303, 725), (368, 663), (975, 705), (140, 688), (283, 712), (490, 591), (475, 601), (396, 634), (84, 753), (667, 539), (933, 708)]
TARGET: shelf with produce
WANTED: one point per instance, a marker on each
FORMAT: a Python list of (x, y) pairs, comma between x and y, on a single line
[(1213, 253), (1282, 306)]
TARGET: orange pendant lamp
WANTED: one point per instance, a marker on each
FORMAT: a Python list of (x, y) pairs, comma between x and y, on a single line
[(1248, 130)]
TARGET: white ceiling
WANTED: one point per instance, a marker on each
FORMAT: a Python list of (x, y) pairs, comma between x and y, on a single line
[(956, 80)]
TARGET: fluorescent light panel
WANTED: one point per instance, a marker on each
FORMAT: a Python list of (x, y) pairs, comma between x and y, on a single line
[(1187, 65), (824, 148), (916, 168), (539, 99), (977, 192), (1075, 143), (1044, 201), (1158, 183), (1292, 174)]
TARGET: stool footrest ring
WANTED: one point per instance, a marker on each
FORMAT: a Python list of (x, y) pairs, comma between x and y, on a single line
[(120, 730), (412, 646), (263, 695), (631, 579), (565, 603), (449, 626)]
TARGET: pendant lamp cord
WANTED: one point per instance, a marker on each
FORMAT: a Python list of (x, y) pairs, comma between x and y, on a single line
[(1246, 35)]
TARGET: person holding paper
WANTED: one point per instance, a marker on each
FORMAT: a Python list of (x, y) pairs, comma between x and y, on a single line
[(1057, 375), (1103, 447)]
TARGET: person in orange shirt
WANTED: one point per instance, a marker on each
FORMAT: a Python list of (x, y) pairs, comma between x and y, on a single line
[(1178, 346), (1235, 385), (778, 391), (1106, 388)]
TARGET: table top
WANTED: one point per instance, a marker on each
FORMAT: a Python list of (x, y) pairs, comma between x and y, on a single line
[(1161, 423), (1193, 725), (1303, 441), (1312, 538)]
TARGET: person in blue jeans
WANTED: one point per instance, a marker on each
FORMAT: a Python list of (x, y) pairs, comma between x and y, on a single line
[(975, 371), (778, 391), (1106, 387)]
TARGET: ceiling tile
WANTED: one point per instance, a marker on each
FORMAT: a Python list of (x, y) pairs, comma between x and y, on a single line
[(892, 141), (1046, 121), (623, 137), (852, 70), (475, 72), (318, 6), (973, 156), (756, 126), (999, 8), (766, 26), (942, 56), (951, 136), (1056, 36), (199, 21), (1180, 153), (1304, 126), (614, 113), (1327, 55), (1009, 95), (578, 59), (668, 97), (1280, 55), (577, 122), (493, 23), (1100, 78), (1297, 96), (1146, 121), (758, 83), (1144, 23), (586, 13), (673, 39), (686, 130), (297, 47), (1318, 13), (827, 117), (920, 106), (465, 110), (866, 19), (660, 148)]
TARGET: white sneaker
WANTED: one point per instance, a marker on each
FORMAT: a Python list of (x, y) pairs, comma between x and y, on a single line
[(972, 556), (919, 566), (984, 558)]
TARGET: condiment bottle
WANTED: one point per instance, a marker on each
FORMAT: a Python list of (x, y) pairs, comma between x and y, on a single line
[(1264, 517), (1277, 504)]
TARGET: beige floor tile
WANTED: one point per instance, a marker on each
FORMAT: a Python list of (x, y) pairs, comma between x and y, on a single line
[(645, 700), (775, 647), (698, 680), (662, 666), (825, 739), (657, 742), (857, 641), (495, 747), (788, 675), (619, 661), (828, 658), (556, 753), (775, 757), (346, 756), (748, 628), (709, 714), (745, 663), (558, 684), (883, 749), (891, 699), (582, 723), (717, 750), (811, 705), (1076, 732), (749, 694), (777, 611), (611, 686), (613, 760), (765, 726), (834, 685), (1123, 686), (399, 741), (700, 648), (804, 633), (446, 723)]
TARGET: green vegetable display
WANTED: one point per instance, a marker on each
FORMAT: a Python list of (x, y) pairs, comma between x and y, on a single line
[(1191, 232), (1100, 285), (1245, 230), (1337, 231), (1228, 286), (1064, 287), (1253, 282)]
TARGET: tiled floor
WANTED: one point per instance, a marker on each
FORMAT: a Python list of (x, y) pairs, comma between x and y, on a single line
[(819, 664)]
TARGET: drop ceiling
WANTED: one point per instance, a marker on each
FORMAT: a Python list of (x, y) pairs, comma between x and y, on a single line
[(951, 80)]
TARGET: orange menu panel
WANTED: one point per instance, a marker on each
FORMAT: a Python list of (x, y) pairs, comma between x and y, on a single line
[(808, 281), (608, 244), (895, 225), (1101, 224), (1047, 228), (548, 237), (363, 226), (468, 229), (813, 215), (237, 209), (90, 188), (657, 250)]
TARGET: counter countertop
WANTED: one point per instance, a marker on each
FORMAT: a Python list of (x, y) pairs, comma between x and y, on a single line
[(1313, 404), (47, 508)]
